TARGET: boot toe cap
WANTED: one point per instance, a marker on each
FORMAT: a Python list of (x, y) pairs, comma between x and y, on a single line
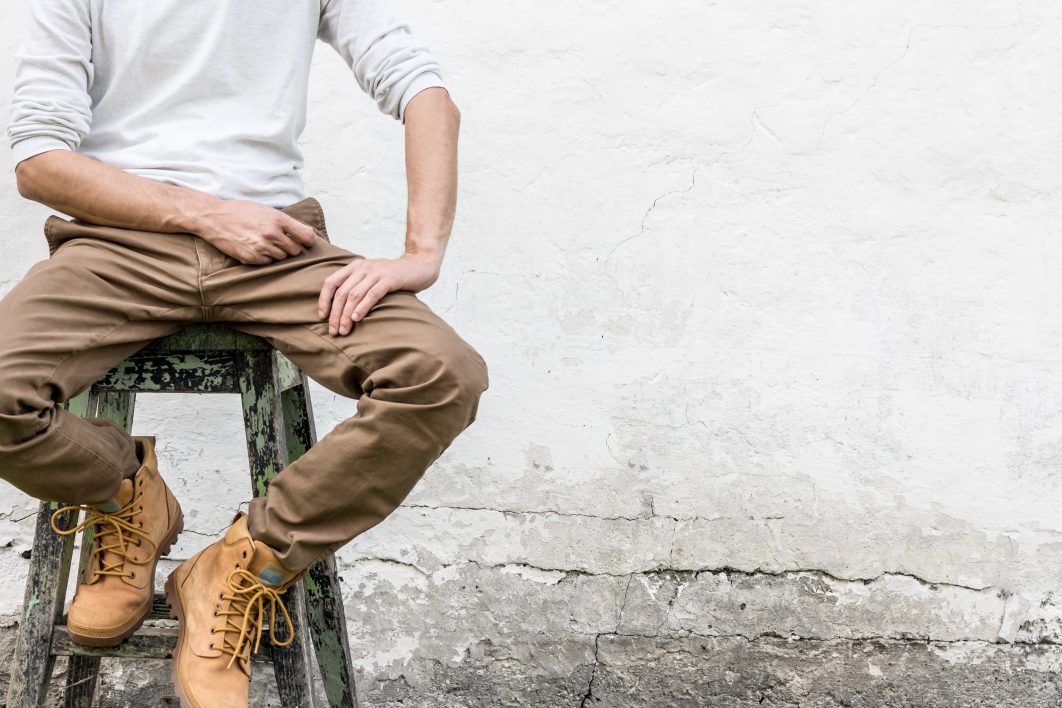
[(103, 619)]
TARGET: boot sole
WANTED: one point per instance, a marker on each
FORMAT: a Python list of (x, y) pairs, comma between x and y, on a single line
[(127, 630), (177, 613)]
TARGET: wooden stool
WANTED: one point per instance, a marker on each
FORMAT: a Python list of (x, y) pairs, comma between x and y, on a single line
[(279, 426)]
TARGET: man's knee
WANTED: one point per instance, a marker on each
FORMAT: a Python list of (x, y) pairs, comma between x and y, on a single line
[(475, 379), (452, 374), (19, 417), (464, 373)]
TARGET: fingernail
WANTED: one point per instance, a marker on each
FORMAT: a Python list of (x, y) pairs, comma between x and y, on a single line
[(332, 331)]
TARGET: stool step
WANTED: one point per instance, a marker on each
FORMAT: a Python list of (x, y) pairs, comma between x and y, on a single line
[(147, 643)]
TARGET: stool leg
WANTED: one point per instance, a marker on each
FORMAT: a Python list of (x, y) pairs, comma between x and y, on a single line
[(324, 598), (31, 666), (82, 672), (268, 454)]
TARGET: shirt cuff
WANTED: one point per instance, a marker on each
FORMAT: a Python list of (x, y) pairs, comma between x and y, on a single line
[(423, 81), (28, 147)]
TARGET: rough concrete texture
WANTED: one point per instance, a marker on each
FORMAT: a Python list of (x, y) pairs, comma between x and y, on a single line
[(769, 292)]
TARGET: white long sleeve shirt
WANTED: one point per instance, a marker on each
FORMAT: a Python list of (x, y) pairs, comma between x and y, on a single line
[(207, 94)]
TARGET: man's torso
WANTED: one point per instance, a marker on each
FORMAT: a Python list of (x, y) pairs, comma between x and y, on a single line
[(178, 79)]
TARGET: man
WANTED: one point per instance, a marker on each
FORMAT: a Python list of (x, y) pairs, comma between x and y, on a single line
[(168, 131)]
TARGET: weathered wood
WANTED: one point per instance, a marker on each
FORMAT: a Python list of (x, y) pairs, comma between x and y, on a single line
[(288, 375), (31, 665), (262, 418), (267, 452), (147, 643), (82, 671), (324, 598), (209, 372), (328, 629)]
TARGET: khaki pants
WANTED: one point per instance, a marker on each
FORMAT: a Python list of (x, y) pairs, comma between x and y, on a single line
[(106, 292)]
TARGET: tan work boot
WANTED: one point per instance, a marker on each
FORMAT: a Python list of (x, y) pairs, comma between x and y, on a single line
[(221, 595), (130, 532)]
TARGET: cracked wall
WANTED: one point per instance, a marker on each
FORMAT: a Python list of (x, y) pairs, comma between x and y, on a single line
[(769, 296)]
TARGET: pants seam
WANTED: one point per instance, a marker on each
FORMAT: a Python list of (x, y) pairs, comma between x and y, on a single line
[(320, 336), (320, 217), (199, 277), (100, 338)]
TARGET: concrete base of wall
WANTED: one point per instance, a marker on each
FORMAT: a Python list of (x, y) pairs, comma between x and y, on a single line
[(620, 671)]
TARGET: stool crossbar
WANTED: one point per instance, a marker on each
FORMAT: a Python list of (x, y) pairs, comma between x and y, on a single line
[(279, 427)]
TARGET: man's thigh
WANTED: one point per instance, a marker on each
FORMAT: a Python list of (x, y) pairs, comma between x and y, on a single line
[(279, 303), (99, 298)]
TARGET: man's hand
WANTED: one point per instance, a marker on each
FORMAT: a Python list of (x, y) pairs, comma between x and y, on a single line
[(253, 233), (432, 123), (353, 290)]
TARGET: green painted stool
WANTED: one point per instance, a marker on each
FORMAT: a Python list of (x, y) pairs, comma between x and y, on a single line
[(279, 426)]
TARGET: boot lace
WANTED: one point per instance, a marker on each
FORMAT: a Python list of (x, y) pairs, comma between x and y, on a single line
[(248, 599), (113, 533)]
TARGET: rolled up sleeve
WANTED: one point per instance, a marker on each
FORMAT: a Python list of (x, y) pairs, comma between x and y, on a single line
[(389, 63), (50, 107)]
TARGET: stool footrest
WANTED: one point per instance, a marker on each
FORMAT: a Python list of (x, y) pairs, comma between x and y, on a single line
[(147, 643)]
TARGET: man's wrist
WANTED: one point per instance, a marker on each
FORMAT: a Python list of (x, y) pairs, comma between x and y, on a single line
[(191, 212), (427, 255), (427, 243)]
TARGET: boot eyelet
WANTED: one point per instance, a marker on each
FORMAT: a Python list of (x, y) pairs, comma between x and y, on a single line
[(245, 554), (132, 575), (221, 596), (212, 647)]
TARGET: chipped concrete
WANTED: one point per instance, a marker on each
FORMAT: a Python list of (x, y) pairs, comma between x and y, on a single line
[(769, 295)]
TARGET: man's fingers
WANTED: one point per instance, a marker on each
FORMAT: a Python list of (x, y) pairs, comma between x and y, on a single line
[(340, 300), (288, 244), (324, 300), (272, 250), (354, 298), (372, 296), (329, 287), (302, 233)]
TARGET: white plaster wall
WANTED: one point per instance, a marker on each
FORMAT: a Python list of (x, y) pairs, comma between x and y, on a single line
[(763, 286)]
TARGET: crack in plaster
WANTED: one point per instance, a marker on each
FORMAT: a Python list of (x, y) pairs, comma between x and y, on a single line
[(906, 641), (645, 216), (593, 673), (552, 512), (692, 573), (728, 569)]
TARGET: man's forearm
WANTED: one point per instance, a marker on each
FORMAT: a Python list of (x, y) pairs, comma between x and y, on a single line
[(101, 194), (432, 127), (432, 124), (90, 190)]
